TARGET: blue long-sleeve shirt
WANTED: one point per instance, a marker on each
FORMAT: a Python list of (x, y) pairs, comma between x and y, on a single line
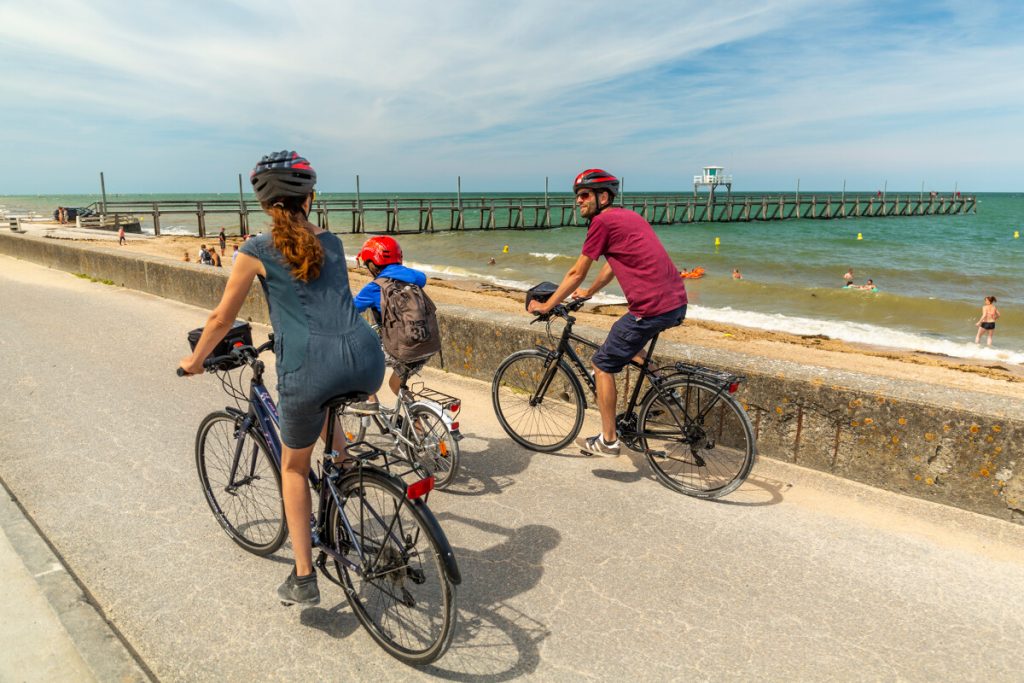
[(369, 295)]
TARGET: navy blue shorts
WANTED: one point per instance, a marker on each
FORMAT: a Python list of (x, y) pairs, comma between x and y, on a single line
[(629, 334)]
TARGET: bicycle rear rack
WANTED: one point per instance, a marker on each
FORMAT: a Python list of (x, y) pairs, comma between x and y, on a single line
[(728, 380), (447, 402)]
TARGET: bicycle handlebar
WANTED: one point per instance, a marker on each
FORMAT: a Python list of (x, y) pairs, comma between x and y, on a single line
[(240, 355), (562, 309)]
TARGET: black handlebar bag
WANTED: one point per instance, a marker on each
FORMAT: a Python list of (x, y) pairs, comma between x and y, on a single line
[(541, 293)]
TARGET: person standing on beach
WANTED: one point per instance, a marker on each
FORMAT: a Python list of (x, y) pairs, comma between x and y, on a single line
[(223, 239), (655, 294), (234, 254), (987, 321), (323, 347), (121, 241)]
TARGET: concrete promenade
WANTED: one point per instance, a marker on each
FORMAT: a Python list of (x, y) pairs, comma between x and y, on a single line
[(947, 443), (574, 568)]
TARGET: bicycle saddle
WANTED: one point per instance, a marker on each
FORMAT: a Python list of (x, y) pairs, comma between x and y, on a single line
[(344, 399)]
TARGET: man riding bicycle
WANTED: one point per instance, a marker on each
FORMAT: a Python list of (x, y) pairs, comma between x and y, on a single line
[(655, 294)]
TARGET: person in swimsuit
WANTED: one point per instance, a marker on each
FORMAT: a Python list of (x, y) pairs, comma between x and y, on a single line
[(323, 346), (987, 322)]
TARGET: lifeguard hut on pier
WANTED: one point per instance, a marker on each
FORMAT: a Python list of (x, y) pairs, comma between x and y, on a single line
[(711, 178)]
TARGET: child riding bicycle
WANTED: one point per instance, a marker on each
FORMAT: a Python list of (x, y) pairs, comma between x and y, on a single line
[(405, 314), (649, 279)]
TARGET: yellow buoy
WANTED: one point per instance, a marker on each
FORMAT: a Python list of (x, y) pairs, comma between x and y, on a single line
[(1016, 234), (505, 250), (718, 242), (860, 236)]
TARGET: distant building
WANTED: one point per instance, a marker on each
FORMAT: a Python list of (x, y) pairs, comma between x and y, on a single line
[(712, 177)]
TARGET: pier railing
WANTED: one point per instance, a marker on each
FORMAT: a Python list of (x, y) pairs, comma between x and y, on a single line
[(398, 215)]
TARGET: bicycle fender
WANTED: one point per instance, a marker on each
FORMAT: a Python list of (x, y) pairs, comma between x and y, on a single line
[(451, 567), (435, 408), (431, 406)]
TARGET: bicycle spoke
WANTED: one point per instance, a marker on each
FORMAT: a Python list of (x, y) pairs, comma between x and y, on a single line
[(401, 593), (547, 422), (698, 440), (248, 505)]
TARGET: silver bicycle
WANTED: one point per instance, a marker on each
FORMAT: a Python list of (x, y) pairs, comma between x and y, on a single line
[(421, 428)]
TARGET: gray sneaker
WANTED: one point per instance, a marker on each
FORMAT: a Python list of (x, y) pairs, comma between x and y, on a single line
[(299, 590), (594, 445), (364, 408)]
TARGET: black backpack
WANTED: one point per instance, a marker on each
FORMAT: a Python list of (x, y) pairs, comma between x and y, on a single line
[(408, 321)]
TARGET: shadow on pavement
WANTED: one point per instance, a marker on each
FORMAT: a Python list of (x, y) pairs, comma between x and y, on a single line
[(481, 472), (755, 492), (494, 640)]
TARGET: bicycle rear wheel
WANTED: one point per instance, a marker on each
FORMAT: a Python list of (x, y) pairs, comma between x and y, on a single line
[(248, 503), (435, 450), (401, 593), (549, 421), (698, 441)]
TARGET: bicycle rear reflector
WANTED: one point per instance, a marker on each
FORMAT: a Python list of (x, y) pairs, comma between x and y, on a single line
[(454, 407), (455, 426), (419, 489), (733, 387)]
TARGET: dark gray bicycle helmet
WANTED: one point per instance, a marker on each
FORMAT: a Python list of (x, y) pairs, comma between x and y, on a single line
[(281, 175)]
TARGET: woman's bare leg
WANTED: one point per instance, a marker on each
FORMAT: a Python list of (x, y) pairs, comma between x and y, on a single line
[(298, 504)]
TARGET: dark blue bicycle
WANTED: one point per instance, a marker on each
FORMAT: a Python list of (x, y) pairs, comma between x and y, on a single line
[(388, 552)]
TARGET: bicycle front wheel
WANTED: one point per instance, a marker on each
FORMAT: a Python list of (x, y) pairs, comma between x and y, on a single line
[(698, 440), (400, 591), (541, 420), (241, 482), (434, 450)]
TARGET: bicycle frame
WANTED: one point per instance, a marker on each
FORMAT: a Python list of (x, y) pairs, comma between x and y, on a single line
[(263, 412), (565, 349)]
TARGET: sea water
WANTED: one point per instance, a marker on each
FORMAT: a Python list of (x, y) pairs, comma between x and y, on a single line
[(932, 272)]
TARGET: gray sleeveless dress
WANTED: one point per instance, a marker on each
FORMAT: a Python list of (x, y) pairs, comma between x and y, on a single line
[(323, 347)]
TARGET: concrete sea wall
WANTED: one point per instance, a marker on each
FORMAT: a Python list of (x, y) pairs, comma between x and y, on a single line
[(949, 446)]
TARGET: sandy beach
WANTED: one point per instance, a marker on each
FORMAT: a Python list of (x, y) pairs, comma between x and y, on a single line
[(812, 350)]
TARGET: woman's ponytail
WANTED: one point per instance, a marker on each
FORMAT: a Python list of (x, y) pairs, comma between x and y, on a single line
[(300, 248)]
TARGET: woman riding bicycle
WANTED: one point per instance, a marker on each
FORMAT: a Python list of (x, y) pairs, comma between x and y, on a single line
[(323, 347)]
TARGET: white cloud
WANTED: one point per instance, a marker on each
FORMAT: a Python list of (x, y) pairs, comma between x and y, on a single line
[(533, 86)]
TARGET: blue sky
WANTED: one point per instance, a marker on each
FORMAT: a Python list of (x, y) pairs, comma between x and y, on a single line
[(182, 96)]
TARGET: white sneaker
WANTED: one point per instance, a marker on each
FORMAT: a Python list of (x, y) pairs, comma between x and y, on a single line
[(595, 445)]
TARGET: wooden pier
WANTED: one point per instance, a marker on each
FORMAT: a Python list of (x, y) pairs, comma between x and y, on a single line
[(403, 215)]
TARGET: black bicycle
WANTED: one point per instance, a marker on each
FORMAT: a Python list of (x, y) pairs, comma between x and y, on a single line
[(388, 551), (694, 433)]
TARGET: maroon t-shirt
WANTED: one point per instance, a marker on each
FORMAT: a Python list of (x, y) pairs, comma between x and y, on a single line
[(648, 277)]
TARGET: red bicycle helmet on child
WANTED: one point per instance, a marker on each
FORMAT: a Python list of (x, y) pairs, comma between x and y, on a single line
[(381, 250)]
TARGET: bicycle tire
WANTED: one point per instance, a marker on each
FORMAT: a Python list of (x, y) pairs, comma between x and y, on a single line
[(546, 426), (435, 451), (407, 563), (249, 508), (727, 447), (352, 425)]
